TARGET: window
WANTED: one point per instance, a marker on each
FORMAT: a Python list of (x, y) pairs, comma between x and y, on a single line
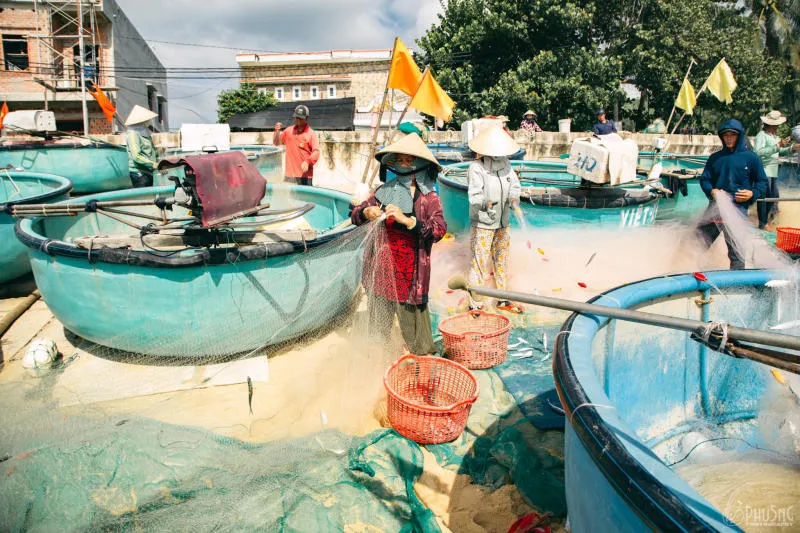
[(15, 52), (152, 101), (279, 94), (161, 109), (262, 90), (296, 93), (314, 92), (331, 91)]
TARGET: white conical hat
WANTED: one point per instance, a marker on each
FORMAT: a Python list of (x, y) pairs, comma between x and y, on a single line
[(411, 144), (138, 115), (494, 142)]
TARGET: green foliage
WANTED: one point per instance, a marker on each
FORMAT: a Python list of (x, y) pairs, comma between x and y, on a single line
[(565, 58), (245, 99)]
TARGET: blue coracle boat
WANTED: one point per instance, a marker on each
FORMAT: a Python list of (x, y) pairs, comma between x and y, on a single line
[(18, 188), (633, 393), (450, 153), (552, 197), (155, 295), (92, 167)]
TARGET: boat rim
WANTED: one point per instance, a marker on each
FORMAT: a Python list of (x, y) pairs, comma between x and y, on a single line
[(32, 145), (653, 501), (65, 186), (200, 256)]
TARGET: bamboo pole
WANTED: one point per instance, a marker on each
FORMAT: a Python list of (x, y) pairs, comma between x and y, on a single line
[(691, 64), (374, 141)]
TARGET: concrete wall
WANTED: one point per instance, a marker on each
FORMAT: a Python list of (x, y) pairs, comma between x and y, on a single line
[(343, 153)]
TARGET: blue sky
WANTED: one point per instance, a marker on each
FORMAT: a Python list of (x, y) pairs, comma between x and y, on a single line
[(264, 25)]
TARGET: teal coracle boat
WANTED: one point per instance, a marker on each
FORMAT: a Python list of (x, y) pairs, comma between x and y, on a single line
[(680, 175), (639, 400), (18, 188), (216, 290), (91, 167), (552, 197)]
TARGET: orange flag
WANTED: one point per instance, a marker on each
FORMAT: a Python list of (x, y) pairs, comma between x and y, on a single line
[(105, 104), (3, 113), (404, 73), (431, 99)]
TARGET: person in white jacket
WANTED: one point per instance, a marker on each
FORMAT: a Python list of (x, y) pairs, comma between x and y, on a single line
[(494, 191)]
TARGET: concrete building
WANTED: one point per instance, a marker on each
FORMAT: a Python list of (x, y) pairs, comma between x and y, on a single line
[(296, 76), (41, 62)]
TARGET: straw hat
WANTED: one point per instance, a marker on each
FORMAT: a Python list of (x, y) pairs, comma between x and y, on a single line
[(139, 115), (494, 142), (411, 144), (773, 118), (529, 112)]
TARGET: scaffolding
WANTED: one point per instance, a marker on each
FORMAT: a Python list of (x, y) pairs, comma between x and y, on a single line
[(62, 38)]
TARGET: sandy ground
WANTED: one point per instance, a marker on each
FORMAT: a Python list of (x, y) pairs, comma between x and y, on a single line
[(333, 378)]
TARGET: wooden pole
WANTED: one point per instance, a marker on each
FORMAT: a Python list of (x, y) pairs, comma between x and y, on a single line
[(691, 64), (374, 141)]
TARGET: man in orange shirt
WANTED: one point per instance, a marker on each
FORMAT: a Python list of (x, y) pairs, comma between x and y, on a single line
[(302, 149)]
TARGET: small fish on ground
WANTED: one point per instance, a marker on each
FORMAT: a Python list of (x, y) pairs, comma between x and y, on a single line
[(786, 325), (590, 259), (250, 394)]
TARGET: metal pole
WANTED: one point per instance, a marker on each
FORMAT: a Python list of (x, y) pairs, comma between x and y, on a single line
[(79, 7), (684, 324)]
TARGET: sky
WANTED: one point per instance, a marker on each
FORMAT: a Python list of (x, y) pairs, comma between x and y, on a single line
[(266, 26)]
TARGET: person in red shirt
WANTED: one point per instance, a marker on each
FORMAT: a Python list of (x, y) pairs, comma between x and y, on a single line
[(397, 258), (302, 148)]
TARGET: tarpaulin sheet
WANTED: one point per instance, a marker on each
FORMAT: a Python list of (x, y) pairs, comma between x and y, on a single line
[(329, 115)]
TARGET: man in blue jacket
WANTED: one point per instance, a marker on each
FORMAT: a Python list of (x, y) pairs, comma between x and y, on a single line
[(736, 171), (603, 126)]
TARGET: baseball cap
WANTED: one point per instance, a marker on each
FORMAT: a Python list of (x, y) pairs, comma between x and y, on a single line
[(300, 111)]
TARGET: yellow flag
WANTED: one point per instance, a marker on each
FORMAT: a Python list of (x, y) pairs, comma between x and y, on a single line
[(686, 99), (721, 82), (404, 74), (431, 99)]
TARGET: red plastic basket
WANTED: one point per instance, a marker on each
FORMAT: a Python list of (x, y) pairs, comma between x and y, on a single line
[(788, 240), (429, 398), (476, 339)]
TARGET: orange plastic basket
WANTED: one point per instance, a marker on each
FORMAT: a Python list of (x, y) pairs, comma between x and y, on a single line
[(476, 339), (788, 240), (429, 398)]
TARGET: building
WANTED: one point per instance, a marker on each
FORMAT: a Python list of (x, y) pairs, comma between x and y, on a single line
[(41, 62), (294, 76)]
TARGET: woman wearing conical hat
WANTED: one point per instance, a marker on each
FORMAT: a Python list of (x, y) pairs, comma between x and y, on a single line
[(397, 260), (494, 191), (142, 159), (769, 148)]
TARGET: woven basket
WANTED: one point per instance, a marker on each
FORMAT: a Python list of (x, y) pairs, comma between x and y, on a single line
[(476, 339), (429, 398), (788, 240)]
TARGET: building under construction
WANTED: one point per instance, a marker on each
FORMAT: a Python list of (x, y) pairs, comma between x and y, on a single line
[(43, 68)]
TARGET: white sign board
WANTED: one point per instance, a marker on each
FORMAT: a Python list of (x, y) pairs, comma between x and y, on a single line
[(205, 137)]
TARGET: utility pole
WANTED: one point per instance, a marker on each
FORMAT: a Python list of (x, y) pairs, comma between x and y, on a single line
[(79, 7)]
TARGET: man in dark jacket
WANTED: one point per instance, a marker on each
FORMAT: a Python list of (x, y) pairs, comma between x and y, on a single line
[(736, 171), (603, 125)]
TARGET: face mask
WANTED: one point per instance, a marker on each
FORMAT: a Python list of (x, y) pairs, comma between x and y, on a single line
[(496, 163), (141, 129)]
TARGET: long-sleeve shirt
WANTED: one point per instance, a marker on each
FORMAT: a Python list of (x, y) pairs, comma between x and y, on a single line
[(604, 128), (301, 146), (141, 153), (430, 228), (492, 181), (766, 147)]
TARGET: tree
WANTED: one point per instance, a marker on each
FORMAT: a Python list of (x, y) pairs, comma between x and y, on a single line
[(245, 99), (504, 56), (657, 42)]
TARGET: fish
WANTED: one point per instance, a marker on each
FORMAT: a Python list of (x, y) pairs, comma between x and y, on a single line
[(540, 251), (785, 325), (250, 394), (581, 285), (590, 259)]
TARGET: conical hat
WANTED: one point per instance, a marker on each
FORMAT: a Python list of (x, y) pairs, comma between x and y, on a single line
[(411, 144), (138, 115), (529, 112), (494, 142)]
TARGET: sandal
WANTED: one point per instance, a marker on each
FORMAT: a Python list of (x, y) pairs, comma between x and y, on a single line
[(505, 305)]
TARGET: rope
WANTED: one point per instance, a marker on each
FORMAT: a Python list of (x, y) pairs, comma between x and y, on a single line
[(719, 327)]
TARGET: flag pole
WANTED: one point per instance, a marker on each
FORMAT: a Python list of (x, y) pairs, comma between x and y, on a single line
[(374, 141), (392, 132), (672, 113)]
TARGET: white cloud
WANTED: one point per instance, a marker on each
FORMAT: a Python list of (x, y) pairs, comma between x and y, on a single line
[(264, 25)]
